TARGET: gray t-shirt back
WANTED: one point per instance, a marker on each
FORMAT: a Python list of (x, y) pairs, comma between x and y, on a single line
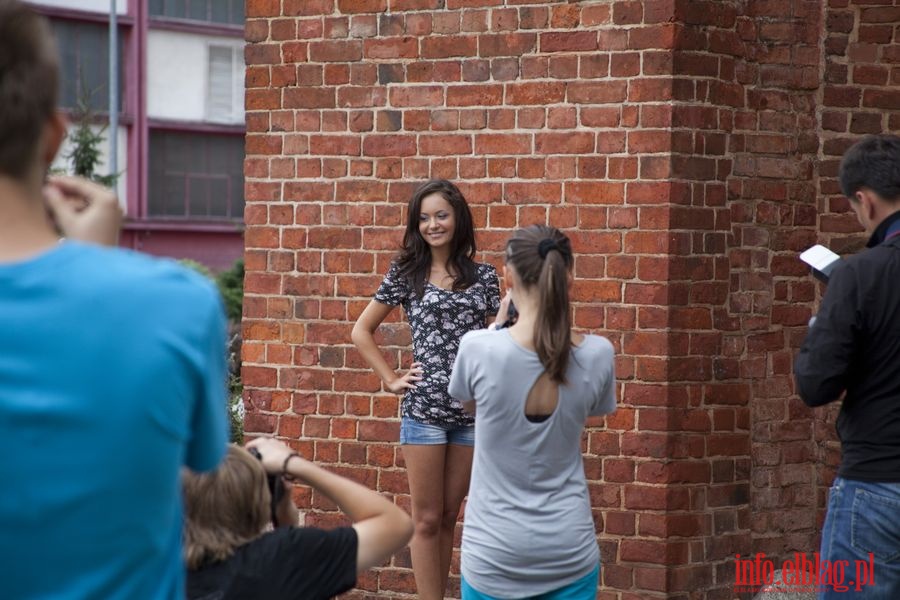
[(528, 525)]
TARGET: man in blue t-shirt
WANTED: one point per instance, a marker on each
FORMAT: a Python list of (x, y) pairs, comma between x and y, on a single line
[(112, 366)]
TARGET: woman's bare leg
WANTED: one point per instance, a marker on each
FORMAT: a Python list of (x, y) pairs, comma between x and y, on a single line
[(425, 470), (457, 472)]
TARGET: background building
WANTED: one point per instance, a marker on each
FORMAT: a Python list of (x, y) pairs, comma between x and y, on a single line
[(181, 115)]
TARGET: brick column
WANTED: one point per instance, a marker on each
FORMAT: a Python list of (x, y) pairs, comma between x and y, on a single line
[(773, 219), (676, 141)]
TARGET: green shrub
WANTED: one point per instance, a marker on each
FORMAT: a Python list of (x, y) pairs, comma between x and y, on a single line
[(231, 288), (230, 284), (199, 267), (84, 153), (236, 409)]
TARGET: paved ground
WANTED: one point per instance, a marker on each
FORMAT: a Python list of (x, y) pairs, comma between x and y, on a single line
[(781, 591)]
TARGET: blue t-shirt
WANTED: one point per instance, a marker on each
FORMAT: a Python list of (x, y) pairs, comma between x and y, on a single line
[(112, 377)]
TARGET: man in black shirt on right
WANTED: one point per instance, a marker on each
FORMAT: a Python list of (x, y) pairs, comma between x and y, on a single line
[(853, 346)]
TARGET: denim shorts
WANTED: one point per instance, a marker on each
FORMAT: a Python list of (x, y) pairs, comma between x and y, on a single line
[(425, 434)]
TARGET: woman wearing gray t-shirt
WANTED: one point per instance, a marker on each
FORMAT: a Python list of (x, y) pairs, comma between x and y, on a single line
[(528, 529)]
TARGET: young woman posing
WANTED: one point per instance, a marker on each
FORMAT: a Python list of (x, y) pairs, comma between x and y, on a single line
[(528, 531), (444, 294)]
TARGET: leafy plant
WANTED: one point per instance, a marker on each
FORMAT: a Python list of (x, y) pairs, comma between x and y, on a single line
[(84, 155), (230, 283), (199, 267), (236, 408), (231, 288)]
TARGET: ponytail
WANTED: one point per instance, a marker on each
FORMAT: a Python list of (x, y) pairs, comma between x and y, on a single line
[(553, 334), (542, 256)]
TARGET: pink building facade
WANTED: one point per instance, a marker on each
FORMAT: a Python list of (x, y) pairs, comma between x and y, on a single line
[(181, 117)]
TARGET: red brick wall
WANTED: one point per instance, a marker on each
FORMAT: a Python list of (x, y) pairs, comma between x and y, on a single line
[(774, 214), (683, 145)]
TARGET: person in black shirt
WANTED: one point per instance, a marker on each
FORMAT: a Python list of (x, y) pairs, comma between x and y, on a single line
[(230, 555), (853, 348)]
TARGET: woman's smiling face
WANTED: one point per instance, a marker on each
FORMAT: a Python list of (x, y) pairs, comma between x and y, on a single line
[(436, 221)]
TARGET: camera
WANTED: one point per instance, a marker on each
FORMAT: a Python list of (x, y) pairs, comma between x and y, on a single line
[(276, 487), (511, 316)]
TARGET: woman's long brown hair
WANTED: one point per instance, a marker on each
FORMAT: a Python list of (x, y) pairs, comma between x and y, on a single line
[(550, 274)]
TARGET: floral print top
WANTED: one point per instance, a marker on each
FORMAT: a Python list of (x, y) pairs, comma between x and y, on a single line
[(438, 321)]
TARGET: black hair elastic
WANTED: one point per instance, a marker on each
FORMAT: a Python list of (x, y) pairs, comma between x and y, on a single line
[(545, 246)]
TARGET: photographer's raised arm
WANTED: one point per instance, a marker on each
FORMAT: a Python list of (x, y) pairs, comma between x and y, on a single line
[(381, 527)]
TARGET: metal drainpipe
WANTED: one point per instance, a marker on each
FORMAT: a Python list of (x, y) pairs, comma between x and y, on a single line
[(113, 89)]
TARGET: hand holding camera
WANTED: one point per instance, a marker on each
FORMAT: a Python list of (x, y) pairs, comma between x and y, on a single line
[(507, 314), (275, 456)]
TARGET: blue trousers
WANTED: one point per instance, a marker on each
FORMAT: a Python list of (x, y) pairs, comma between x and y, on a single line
[(861, 534)]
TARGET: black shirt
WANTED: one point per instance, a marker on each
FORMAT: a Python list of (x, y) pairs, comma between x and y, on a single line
[(289, 562), (854, 346)]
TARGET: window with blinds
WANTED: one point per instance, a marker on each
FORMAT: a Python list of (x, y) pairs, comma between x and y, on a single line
[(225, 84), (228, 12)]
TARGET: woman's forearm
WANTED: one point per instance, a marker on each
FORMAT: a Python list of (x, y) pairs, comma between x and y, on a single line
[(365, 343)]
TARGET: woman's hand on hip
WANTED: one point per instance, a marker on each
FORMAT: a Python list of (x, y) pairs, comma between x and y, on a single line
[(407, 380)]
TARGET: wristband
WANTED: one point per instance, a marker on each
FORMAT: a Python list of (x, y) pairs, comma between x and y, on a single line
[(284, 465)]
